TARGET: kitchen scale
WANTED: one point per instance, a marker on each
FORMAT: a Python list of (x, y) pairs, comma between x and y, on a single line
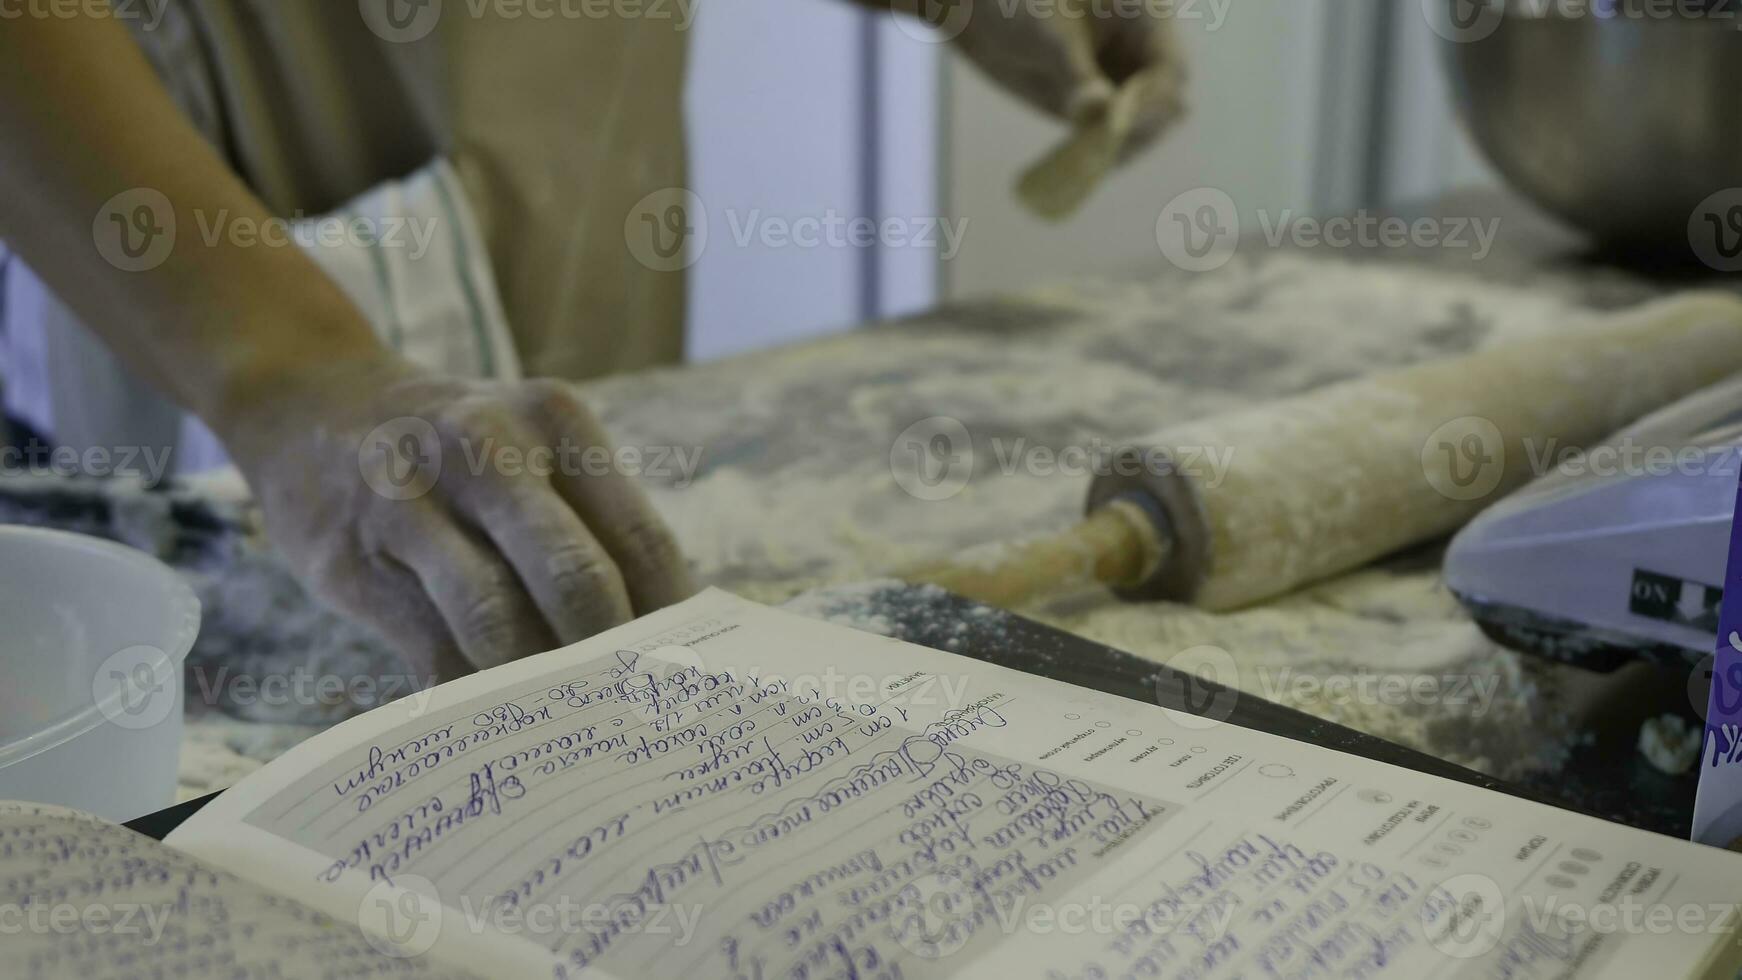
[(1618, 553)]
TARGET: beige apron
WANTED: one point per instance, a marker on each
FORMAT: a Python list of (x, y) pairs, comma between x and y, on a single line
[(557, 119)]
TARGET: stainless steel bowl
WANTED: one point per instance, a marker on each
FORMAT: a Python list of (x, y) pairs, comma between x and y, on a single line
[(1625, 125)]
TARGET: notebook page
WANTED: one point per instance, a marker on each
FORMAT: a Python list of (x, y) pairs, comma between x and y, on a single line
[(81, 897), (726, 790)]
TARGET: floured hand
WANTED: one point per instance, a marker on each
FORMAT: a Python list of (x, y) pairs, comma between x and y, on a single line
[(451, 515)]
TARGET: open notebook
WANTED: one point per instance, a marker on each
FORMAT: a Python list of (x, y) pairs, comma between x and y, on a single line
[(726, 790)]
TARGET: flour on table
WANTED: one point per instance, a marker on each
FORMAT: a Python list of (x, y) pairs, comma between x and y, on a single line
[(797, 490)]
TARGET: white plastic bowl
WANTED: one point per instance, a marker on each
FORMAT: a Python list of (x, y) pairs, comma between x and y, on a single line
[(92, 639)]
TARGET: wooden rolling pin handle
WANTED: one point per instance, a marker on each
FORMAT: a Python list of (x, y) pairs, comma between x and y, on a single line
[(1177, 547), (1117, 545)]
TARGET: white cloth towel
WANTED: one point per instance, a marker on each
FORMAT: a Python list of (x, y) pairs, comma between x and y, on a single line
[(408, 253)]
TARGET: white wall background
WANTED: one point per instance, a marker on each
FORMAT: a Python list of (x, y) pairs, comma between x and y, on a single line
[(1424, 151), (805, 109)]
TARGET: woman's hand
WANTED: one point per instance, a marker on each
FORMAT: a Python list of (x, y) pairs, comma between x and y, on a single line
[(470, 523)]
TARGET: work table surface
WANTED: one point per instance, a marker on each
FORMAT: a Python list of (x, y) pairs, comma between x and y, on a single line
[(786, 471)]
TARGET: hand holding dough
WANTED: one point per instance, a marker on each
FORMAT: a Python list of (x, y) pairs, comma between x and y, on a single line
[(1148, 98), (1115, 75), (1056, 185)]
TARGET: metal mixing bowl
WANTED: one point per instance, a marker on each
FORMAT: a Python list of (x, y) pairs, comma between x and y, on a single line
[(1622, 120)]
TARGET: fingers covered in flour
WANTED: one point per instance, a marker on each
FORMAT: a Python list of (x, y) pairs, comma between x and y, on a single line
[(385, 595), (445, 513), (626, 524)]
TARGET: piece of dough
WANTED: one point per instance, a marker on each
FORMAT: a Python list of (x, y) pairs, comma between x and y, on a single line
[(1061, 181)]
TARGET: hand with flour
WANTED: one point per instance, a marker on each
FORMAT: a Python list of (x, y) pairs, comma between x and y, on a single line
[(470, 522)]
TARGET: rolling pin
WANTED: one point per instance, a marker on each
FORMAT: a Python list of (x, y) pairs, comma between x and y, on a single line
[(1327, 481)]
